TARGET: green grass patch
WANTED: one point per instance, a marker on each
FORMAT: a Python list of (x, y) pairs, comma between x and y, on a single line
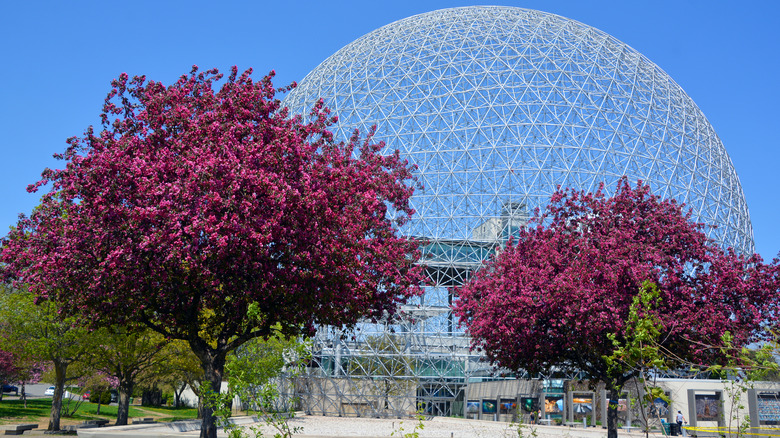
[(165, 413), (13, 411)]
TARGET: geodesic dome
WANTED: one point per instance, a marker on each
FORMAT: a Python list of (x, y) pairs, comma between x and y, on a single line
[(500, 105), (497, 106)]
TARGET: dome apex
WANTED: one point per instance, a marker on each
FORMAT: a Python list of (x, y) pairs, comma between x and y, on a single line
[(499, 105)]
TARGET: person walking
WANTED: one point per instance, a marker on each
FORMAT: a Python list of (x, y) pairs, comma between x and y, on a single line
[(680, 420)]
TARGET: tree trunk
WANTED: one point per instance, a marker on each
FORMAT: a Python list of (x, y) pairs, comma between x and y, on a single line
[(387, 395), (60, 370), (24, 395), (177, 392), (612, 412), (213, 365), (123, 405)]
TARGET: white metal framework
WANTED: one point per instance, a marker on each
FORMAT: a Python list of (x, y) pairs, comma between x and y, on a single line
[(497, 106)]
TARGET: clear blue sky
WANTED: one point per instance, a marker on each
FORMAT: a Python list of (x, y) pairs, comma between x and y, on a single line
[(58, 58)]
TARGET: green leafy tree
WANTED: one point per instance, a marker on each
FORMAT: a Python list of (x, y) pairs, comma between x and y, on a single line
[(177, 369), (764, 360), (640, 352), (254, 373), (40, 331), (128, 355), (738, 375)]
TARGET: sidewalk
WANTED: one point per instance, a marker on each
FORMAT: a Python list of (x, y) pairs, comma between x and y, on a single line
[(335, 427)]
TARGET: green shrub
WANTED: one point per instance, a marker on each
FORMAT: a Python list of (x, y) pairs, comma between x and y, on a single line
[(102, 397)]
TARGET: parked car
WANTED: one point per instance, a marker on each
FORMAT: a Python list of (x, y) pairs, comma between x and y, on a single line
[(10, 388), (67, 394), (86, 395)]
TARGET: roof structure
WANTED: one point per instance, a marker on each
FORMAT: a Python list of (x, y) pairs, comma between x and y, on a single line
[(502, 104)]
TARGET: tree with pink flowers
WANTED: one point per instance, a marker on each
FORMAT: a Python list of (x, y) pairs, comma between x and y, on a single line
[(8, 368), (554, 296), (193, 202)]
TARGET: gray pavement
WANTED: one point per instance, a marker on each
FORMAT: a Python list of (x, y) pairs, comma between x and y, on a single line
[(335, 427), (34, 390)]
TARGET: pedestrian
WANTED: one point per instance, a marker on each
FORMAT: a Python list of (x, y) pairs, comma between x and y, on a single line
[(680, 420)]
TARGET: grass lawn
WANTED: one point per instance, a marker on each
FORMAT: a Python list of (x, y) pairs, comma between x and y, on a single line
[(12, 411)]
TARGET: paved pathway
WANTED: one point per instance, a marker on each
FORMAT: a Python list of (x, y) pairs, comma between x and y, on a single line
[(335, 427)]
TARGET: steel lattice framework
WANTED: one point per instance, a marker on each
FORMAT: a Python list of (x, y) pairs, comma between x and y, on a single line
[(497, 106)]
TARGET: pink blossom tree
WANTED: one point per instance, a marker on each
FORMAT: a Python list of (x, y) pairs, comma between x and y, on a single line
[(553, 296), (8, 368), (192, 203), (29, 369)]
